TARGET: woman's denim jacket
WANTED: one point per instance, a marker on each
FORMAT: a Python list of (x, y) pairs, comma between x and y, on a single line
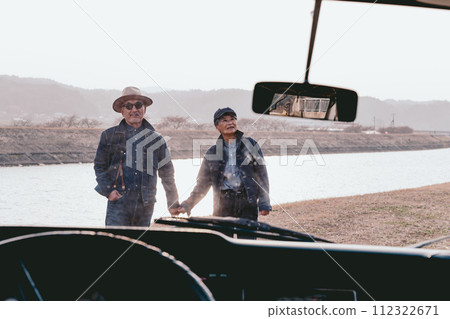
[(252, 168)]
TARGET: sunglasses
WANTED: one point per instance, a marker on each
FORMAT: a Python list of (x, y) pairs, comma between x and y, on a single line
[(137, 105)]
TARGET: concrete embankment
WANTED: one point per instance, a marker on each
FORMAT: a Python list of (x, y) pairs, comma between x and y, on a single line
[(35, 146)]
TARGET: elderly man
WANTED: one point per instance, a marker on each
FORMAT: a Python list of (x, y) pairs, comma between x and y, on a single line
[(128, 158), (235, 168)]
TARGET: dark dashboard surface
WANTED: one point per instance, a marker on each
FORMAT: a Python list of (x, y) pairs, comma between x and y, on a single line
[(235, 269)]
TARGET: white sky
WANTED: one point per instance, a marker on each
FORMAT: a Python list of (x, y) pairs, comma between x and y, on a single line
[(380, 51)]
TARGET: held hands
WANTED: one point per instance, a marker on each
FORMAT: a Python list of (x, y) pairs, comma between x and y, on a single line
[(177, 211), (173, 211)]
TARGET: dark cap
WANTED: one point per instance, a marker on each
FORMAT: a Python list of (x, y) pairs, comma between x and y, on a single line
[(221, 112)]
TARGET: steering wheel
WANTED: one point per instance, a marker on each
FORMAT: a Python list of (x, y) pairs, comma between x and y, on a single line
[(89, 265)]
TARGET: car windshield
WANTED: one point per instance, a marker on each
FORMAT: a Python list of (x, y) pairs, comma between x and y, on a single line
[(382, 180)]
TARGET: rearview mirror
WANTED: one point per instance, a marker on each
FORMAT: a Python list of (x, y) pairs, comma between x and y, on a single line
[(305, 100)]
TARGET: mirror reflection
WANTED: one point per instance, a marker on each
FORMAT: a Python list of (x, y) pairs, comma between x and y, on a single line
[(302, 106)]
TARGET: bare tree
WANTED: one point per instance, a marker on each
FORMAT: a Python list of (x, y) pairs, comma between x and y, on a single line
[(173, 122), (56, 122), (22, 123), (71, 121), (265, 124), (89, 123)]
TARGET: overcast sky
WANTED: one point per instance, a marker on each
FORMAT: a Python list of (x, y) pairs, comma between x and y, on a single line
[(380, 51)]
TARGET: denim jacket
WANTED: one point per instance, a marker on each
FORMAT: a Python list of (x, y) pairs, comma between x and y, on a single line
[(250, 161), (111, 151)]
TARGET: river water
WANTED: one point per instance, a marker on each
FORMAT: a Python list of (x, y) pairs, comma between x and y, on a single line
[(64, 195)]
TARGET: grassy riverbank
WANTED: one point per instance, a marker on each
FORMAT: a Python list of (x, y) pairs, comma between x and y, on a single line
[(397, 218)]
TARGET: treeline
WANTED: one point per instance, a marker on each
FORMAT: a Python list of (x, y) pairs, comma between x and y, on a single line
[(166, 123), (68, 121), (262, 124), (245, 124)]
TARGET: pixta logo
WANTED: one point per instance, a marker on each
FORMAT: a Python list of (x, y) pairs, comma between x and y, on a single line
[(152, 142), (308, 151)]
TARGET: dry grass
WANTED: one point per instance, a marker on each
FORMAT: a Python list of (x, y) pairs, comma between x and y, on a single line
[(398, 218)]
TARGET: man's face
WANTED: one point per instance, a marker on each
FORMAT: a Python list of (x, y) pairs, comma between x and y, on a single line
[(133, 116), (227, 125)]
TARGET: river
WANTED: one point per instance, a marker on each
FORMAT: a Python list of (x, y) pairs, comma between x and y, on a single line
[(64, 195)]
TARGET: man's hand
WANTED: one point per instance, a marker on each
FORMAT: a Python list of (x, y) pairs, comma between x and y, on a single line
[(264, 212), (182, 210), (114, 195), (174, 211)]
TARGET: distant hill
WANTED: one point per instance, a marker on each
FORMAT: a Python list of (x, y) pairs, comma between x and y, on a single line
[(42, 99), (39, 99), (428, 115)]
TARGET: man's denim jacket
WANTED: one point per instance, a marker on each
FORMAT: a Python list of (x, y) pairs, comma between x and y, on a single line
[(111, 151)]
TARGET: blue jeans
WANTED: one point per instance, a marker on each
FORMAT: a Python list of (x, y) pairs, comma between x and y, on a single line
[(129, 210), (235, 204)]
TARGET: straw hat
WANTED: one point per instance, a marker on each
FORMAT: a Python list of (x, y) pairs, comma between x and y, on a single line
[(130, 93)]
